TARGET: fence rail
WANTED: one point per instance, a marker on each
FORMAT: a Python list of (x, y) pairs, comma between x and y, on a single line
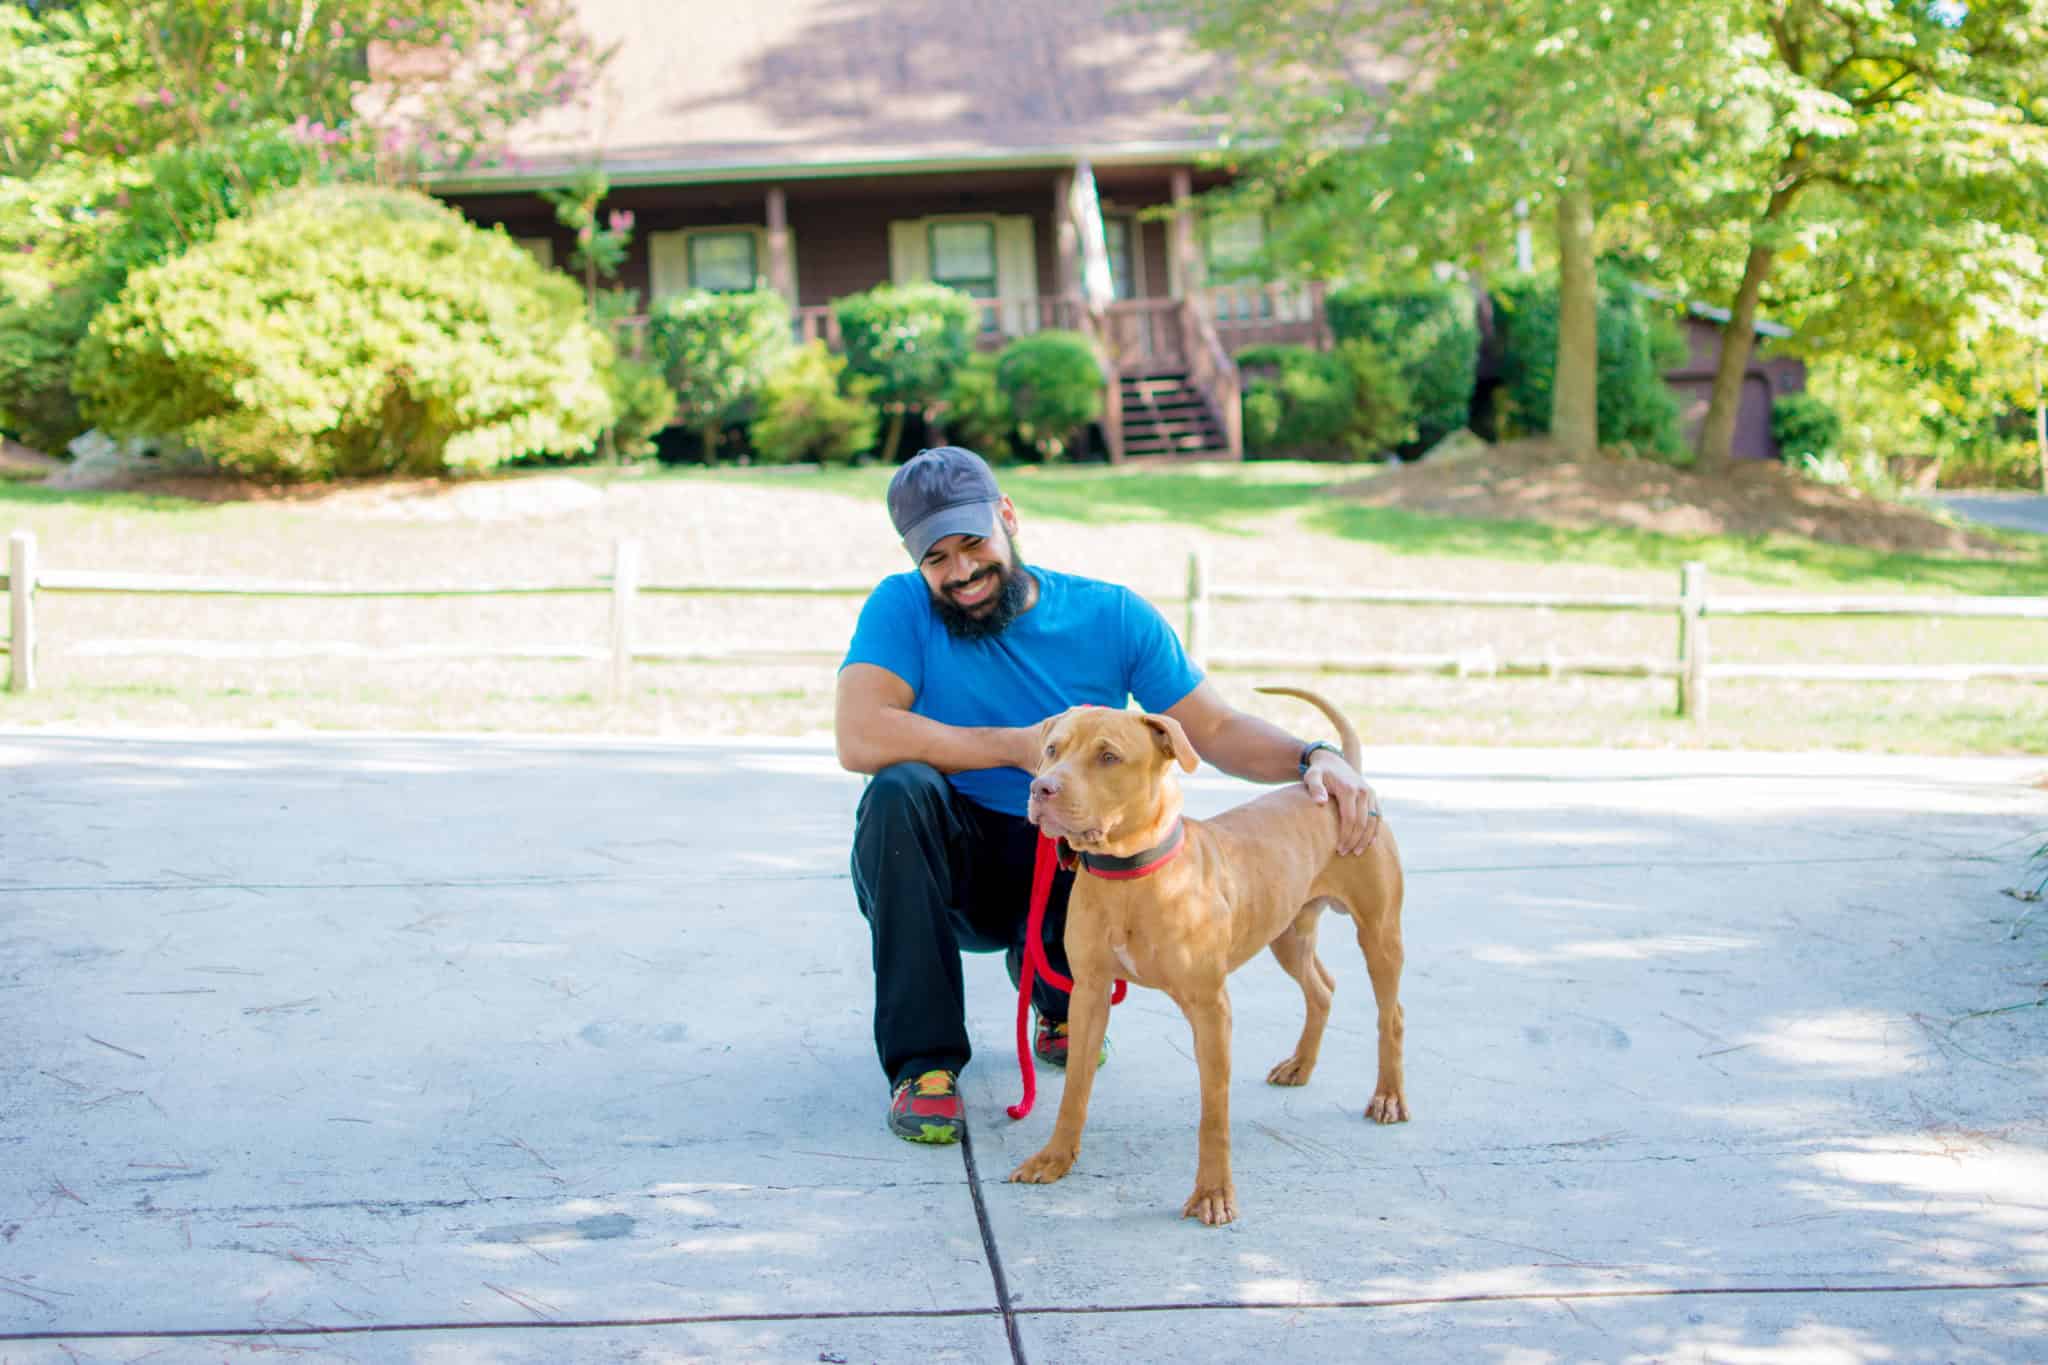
[(1691, 666)]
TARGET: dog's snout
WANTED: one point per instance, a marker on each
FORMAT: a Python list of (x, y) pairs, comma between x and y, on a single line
[(1045, 786)]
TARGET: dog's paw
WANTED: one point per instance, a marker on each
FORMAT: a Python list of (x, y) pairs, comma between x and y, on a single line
[(1049, 1165), (1215, 1207), (1388, 1106), (1293, 1071)]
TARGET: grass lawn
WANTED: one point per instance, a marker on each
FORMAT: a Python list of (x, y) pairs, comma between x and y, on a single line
[(1258, 524)]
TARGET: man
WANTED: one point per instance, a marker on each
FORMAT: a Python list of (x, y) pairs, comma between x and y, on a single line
[(950, 671)]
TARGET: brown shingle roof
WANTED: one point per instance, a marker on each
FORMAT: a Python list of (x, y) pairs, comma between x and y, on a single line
[(711, 89)]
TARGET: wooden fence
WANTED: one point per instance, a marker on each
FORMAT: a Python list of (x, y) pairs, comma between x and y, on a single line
[(1692, 667)]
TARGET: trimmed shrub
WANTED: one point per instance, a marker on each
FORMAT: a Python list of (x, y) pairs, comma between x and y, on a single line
[(717, 351), (1054, 387), (1382, 414), (810, 409), (1432, 340), (189, 192), (1296, 400), (349, 332), (642, 405), (910, 339), (1803, 425), (1636, 408), (978, 412)]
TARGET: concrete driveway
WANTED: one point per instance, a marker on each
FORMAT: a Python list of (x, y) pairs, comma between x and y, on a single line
[(436, 1049)]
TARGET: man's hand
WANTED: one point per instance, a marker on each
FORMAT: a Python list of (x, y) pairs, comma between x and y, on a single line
[(1358, 806)]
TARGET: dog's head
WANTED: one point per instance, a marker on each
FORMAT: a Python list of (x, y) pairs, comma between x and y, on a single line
[(1105, 779)]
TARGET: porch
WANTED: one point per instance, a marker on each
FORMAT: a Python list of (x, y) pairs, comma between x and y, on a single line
[(1117, 254)]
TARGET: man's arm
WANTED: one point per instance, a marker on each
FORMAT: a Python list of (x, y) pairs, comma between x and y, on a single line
[(1245, 746), (873, 727)]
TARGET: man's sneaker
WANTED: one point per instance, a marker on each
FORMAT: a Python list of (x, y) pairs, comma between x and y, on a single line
[(1051, 1044), (926, 1108)]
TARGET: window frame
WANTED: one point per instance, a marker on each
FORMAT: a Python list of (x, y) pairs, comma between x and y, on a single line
[(701, 236), (994, 278)]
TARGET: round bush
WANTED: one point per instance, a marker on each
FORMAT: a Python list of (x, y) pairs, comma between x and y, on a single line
[(811, 410), (910, 339), (349, 332), (717, 351), (1430, 336), (1296, 400), (1802, 425), (642, 404), (978, 412), (1054, 387)]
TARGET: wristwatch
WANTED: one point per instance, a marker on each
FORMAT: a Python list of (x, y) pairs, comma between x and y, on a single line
[(1308, 752)]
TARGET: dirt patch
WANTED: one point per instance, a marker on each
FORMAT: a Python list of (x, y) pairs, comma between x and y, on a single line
[(1528, 481)]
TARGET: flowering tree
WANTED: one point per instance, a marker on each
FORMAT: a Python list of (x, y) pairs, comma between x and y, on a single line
[(129, 129)]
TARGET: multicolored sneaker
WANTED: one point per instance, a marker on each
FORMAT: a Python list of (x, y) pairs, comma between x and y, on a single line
[(927, 1108), (1051, 1044)]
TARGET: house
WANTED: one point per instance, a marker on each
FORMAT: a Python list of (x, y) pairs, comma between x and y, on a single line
[(1044, 157)]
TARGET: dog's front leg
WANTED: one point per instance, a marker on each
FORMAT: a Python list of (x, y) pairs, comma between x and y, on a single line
[(1215, 1198), (1087, 1022)]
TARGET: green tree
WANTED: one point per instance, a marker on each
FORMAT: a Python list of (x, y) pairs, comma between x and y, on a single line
[(1402, 135), (717, 351), (1870, 175), (911, 340), (129, 129)]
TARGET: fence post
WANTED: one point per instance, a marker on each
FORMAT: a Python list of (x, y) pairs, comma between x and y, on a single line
[(625, 585), (1692, 641), (1197, 641), (21, 611)]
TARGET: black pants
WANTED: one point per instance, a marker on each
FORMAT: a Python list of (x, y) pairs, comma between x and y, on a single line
[(936, 874)]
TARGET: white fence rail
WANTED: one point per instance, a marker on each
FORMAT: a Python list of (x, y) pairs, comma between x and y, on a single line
[(1691, 667)]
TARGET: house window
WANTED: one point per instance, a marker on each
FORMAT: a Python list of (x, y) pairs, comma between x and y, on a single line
[(1122, 241), (964, 257), (723, 262), (1237, 241)]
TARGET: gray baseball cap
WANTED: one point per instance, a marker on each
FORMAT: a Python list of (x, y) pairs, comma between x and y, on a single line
[(945, 491)]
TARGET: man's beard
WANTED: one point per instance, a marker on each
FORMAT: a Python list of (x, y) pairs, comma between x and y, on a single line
[(996, 614)]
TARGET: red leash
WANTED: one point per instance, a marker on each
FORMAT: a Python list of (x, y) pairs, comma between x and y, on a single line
[(1035, 965)]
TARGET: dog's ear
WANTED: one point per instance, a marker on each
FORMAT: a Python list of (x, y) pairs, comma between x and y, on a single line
[(1173, 741)]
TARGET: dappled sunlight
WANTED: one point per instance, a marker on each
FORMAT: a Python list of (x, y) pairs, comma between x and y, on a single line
[(1614, 950), (1811, 1343), (1843, 1043)]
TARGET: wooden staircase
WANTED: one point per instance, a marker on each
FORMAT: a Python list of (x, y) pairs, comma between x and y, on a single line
[(1164, 414)]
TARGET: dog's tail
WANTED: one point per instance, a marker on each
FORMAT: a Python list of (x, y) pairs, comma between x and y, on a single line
[(1346, 736)]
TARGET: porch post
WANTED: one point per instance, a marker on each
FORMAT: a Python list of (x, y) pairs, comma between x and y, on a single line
[(1066, 236), (780, 277), (1187, 260)]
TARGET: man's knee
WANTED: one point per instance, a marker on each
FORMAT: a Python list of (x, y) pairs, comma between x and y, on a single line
[(904, 789)]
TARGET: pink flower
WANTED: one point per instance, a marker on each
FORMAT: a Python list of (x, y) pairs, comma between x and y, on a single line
[(621, 220), (165, 97)]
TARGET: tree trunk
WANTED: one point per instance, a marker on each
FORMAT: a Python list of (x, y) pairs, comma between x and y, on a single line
[(1738, 342), (708, 433), (895, 436), (1575, 391)]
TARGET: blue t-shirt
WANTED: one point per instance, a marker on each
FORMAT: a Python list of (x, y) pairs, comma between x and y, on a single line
[(1083, 641)]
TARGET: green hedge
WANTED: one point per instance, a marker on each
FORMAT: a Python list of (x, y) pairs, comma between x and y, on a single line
[(717, 351), (349, 332), (1430, 336), (978, 413), (1054, 388), (1636, 407)]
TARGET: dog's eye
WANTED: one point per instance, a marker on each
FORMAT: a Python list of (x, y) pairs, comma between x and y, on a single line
[(1049, 749), (1108, 756)]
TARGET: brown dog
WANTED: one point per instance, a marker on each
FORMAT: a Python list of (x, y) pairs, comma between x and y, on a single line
[(1178, 905)]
